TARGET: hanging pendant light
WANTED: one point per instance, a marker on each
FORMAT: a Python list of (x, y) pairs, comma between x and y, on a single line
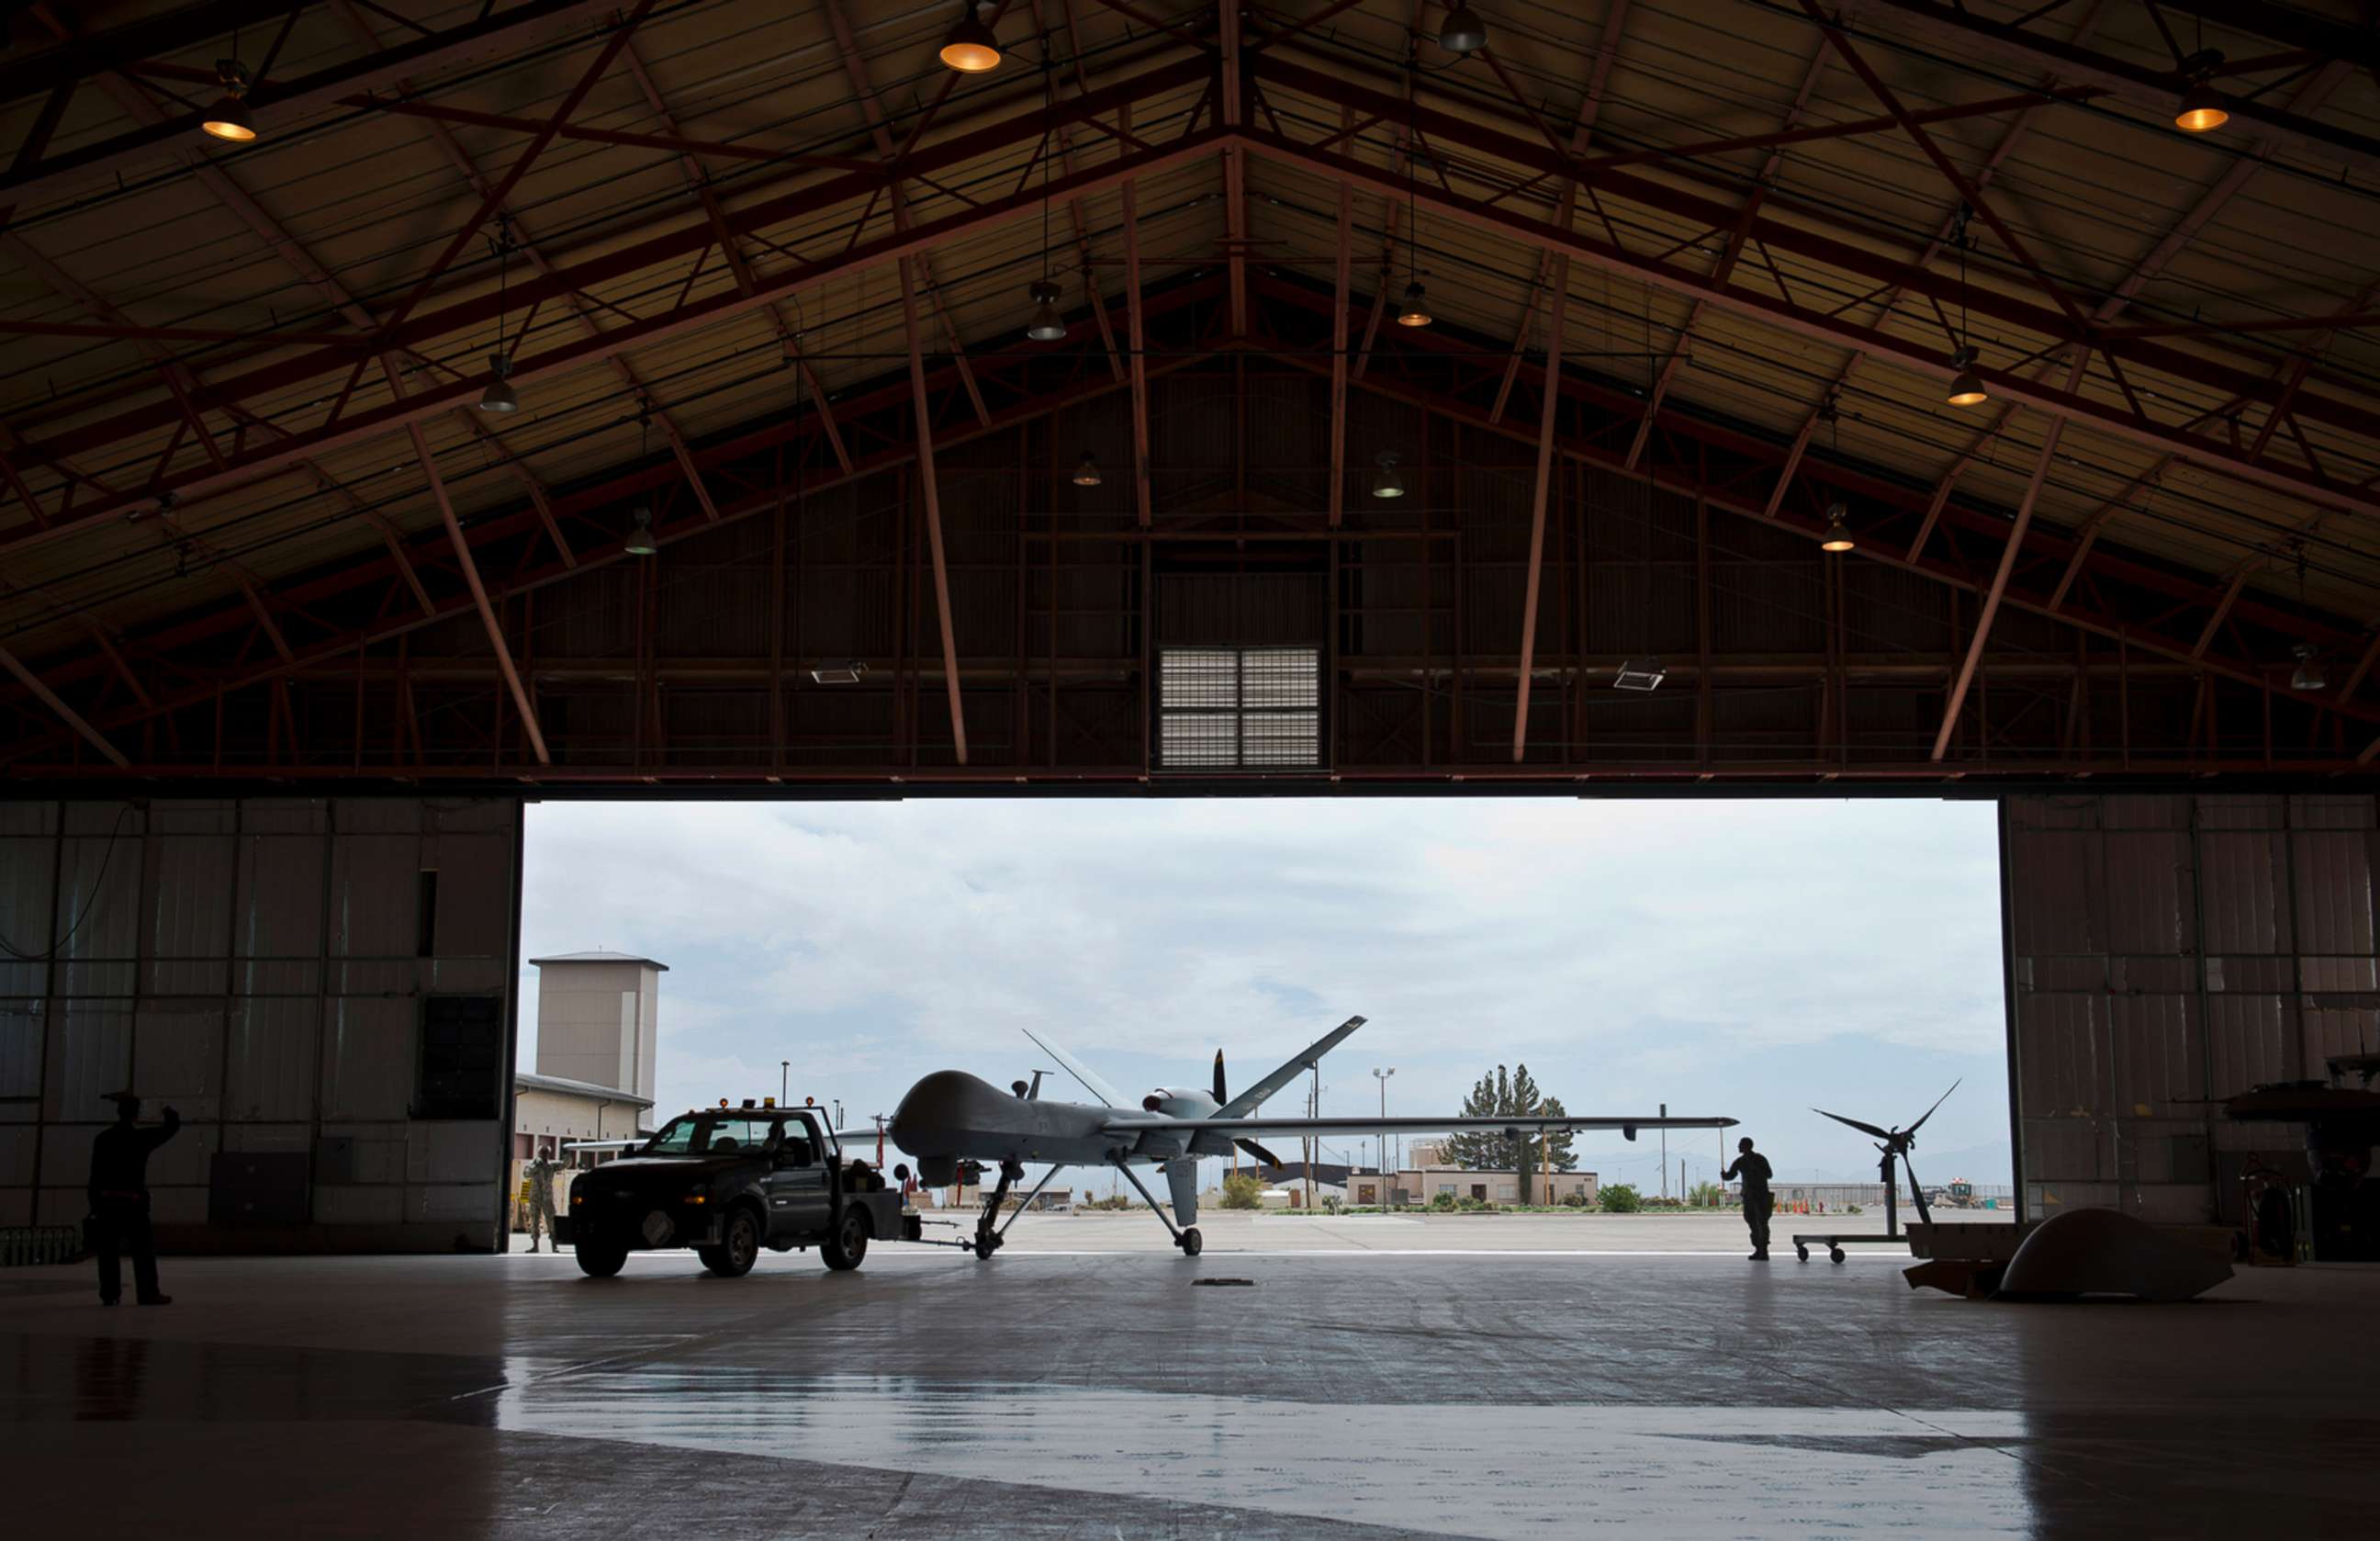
[(1838, 534), (969, 46), (1387, 481), (1087, 471), (1966, 386), (1463, 32), (2309, 675), (2201, 110), (500, 397), (1414, 309), (1047, 325), (641, 537), (229, 119)]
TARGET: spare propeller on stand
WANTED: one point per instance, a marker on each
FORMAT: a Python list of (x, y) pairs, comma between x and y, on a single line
[(1896, 1144), (1221, 1096)]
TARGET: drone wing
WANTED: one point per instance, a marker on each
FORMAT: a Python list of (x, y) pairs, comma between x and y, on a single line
[(1241, 1128), (1862, 1128), (1937, 1102)]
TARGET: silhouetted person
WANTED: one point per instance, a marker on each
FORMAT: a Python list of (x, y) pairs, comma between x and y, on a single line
[(540, 1173), (119, 1201), (1756, 1202)]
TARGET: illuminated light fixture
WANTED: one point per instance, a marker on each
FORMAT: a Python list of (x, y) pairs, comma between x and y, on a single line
[(1087, 471), (838, 673), (1838, 534), (640, 538), (1387, 481), (229, 119), (2201, 110), (1047, 325), (969, 46), (1463, 32), (500, 397), (1414, 310), (1966, 387), (2309, 675), (1640, 673)]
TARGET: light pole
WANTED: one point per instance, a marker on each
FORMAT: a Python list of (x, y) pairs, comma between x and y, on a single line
[(838, 1112), (784, 1081), (1382, 1077)]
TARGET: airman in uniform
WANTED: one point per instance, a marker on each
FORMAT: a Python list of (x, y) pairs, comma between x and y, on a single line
[(540, 1173), (119, 1201)]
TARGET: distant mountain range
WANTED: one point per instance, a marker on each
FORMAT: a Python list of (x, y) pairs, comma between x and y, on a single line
[(1987, 1164)]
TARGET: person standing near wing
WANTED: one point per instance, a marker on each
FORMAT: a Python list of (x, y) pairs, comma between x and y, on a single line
[(119, 1201), (1756, 1202)]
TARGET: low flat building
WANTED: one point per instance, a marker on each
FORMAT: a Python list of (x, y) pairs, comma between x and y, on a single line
[(1419, 1186)]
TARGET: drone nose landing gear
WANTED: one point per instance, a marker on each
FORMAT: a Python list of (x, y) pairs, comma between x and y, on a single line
[(987, 1225)]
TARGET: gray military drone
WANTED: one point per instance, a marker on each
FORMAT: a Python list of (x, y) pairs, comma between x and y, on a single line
[(951, 1118)]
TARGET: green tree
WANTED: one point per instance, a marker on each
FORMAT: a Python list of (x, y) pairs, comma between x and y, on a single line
[(1240, 1191), (1622, 1199), (1504, 1095), (1707, 1195)]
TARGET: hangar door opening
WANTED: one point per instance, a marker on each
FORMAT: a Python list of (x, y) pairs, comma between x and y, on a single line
[(1754, 959)]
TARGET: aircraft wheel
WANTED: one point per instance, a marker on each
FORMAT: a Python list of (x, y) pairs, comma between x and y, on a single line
[(1191, 1242), (1802, 1252), (985, 1246), (1835, 1254)]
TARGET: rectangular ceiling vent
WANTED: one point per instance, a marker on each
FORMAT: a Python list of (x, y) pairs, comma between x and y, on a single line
[(1239, 709)]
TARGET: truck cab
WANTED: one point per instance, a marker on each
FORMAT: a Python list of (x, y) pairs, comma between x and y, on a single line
[(728, 1181)]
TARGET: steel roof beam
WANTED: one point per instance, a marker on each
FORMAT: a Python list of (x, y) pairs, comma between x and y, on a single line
[(1544, 488), (2157, 90), (279, 106)]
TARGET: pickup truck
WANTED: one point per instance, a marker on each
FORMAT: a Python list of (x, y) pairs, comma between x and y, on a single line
[(728, 1181)]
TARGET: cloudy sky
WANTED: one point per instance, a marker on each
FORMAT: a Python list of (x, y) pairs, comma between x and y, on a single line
[(1747, 958)]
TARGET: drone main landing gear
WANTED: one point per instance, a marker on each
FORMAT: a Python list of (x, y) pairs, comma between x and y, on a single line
[(1184, 1237)]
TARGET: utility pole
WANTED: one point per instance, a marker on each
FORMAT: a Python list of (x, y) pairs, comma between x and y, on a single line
[(786, 1080), (1665, 1154), (1382, 1076), (838, 1112)]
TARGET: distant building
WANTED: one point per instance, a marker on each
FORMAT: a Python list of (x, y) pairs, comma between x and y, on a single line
[(1416, 1185), (599, 1019), (598, 1030)]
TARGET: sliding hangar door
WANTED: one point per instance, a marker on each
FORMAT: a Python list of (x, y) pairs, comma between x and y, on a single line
[(324, 988)]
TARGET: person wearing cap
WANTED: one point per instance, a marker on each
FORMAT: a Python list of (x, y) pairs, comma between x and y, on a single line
[(1756, 1202), (119, 1201), (540, 1173)]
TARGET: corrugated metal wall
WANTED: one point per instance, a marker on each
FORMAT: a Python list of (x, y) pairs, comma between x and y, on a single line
[(259, 964), (2165, 953)]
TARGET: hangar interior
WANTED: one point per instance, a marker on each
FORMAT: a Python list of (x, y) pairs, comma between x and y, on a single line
[(411, 412)]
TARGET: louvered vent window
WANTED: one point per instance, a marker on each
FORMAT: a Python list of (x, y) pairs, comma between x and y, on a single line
[(1239, 709)]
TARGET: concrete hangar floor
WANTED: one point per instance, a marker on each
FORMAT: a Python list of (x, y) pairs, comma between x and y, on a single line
[(1464, 1377)]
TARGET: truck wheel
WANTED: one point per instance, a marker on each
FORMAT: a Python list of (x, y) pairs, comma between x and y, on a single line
[(848, 1246), (599, 1261), (733, 1258)]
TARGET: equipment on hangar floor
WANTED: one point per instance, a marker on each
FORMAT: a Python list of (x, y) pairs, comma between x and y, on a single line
[(951, 1116), (2335, 1217), (1895, 1144), (728, 1181)]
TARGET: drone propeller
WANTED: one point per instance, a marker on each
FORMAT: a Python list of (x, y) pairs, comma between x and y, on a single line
[(1862, 1128), (1937, 1102), (1221, 1096)]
